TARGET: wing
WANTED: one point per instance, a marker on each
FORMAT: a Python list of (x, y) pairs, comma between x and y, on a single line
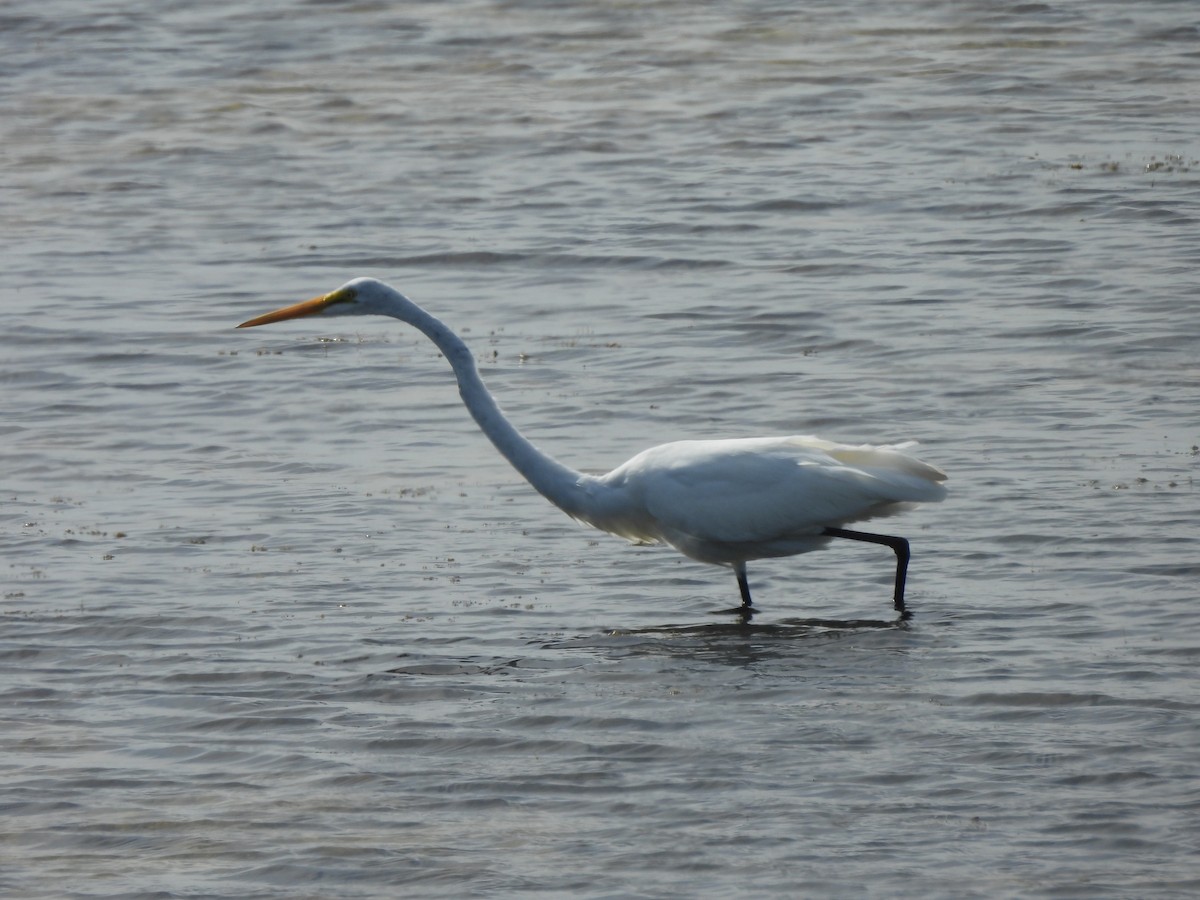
[(768, 489)]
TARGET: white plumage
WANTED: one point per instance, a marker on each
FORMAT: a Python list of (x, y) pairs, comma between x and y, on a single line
[(729, 501), (717, 501)]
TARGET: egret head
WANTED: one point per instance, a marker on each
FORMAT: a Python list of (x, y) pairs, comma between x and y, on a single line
[(360, 297)]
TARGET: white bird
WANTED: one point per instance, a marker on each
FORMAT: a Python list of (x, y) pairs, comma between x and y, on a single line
[(716, 501)]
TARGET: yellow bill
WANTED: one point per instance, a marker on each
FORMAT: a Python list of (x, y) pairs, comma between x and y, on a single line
[(315, 306)]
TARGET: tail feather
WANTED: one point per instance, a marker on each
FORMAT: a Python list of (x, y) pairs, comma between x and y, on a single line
[(911, 479)]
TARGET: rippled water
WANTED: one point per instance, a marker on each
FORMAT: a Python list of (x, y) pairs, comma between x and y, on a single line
[(279, 621)]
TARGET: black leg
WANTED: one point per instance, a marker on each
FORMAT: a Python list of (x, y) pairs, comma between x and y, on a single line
[(743, 585), (899, 544)]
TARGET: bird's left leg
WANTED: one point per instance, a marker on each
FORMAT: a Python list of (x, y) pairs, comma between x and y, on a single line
[(743, 585), (898, 544)]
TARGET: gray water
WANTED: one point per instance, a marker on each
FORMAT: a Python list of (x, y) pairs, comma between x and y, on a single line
[(278, 621)]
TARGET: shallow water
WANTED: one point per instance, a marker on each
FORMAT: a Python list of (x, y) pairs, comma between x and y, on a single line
[(278, 620)]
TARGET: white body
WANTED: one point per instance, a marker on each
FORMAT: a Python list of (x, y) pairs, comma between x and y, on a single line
[(729, 501)]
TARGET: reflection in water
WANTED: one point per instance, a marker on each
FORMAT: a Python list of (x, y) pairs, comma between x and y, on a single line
[(786, 628)]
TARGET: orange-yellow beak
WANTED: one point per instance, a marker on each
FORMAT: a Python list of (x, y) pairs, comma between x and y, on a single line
[(296, 310)]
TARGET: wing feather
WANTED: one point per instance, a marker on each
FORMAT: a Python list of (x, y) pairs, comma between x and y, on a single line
[(768, 489)]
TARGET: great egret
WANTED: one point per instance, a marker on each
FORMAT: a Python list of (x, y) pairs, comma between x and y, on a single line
[(717, 501)]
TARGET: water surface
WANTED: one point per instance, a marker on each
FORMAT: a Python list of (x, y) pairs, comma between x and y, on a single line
[(279, 621)]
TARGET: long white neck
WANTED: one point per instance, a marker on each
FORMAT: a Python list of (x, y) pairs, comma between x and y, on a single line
[(559, 484)]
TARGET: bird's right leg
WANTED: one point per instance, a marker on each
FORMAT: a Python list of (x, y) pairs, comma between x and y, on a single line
[(743, 585), (898, 544)]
